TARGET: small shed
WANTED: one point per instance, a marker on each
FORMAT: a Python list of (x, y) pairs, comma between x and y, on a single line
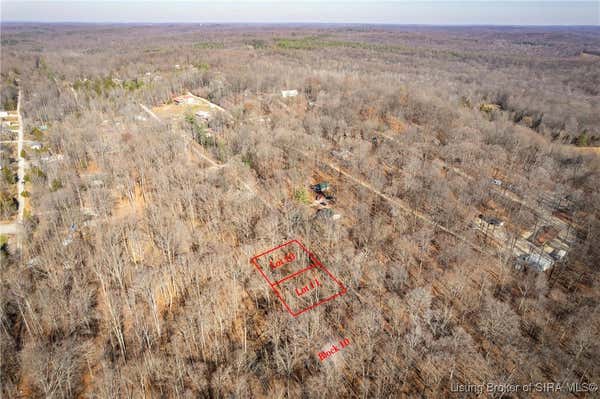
[(203, 115), (289, 93), (35, 145), (186, 99)]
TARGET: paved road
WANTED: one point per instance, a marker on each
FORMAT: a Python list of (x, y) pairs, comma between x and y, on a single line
[(21, 170), (13, 228)]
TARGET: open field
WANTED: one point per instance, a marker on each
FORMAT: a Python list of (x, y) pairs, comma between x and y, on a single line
[(178, 112), (350, 215)]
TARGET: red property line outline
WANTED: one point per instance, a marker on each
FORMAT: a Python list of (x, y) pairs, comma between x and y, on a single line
[(312, 266), (255, 257), (315, 264)]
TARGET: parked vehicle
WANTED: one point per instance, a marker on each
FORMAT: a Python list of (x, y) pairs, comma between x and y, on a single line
[(558, 254), (491, 220)]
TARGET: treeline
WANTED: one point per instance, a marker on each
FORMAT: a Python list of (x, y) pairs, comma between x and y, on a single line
[(135, 277)]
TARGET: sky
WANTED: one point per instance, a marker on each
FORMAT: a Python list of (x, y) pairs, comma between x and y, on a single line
[(413, 12)]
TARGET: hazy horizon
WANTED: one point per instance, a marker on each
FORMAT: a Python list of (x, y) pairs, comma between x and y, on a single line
[(448, 13)]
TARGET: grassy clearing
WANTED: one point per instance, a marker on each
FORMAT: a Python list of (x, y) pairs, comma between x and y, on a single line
[(301, 195), (315, 42), (167, 111), (320, 42), (209, 45), (104, 85)]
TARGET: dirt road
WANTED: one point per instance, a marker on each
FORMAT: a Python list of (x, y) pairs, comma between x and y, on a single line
[(398, 203), (149, 112), (214, 165), (194, 150)]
